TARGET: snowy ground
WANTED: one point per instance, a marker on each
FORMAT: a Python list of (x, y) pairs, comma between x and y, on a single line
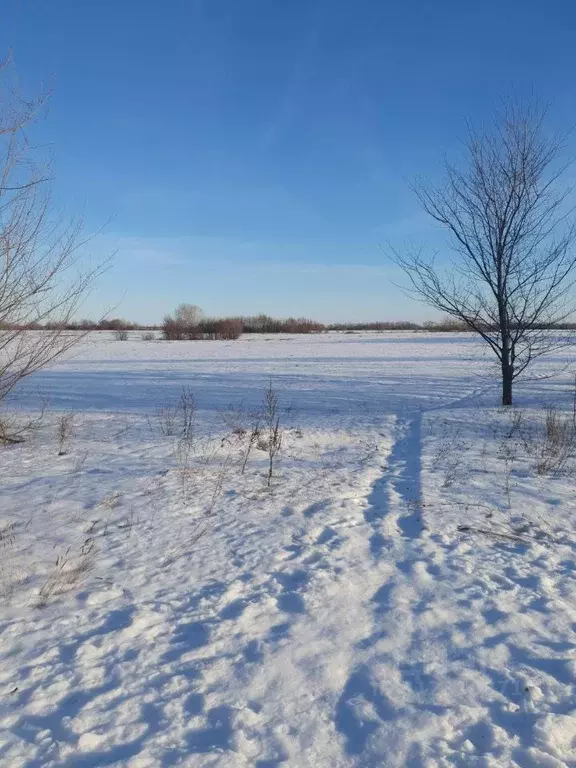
[(404, 594)]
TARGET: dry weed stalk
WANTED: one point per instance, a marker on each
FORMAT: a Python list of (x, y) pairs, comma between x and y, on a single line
[(14, 429), (65, 432), (555, 450), (252, 441), (68, 571), (271, 419), (177, 418)]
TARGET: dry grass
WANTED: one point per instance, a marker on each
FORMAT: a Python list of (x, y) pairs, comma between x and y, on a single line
[(184, 454), (166, 420), (68, 571), (177, 419), (187, 407), (556, 446), (9, 569), (253, 440), (449, 454)]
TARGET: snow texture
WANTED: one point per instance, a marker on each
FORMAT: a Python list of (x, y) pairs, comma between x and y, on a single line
[(404, 594)]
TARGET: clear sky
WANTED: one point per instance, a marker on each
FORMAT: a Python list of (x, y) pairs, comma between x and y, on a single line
[(255, 155)]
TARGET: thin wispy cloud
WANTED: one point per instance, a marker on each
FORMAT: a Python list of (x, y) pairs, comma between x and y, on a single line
[(291, 96), (266, 255)]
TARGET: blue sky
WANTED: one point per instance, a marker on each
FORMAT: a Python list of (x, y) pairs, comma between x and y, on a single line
[(256, 155)]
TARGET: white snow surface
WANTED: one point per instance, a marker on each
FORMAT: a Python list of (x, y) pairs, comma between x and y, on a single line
[(404, 594)]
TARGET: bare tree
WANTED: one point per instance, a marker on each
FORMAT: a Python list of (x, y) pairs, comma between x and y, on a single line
[(43, 278), (512, 235), (188, 314), (183, 324)]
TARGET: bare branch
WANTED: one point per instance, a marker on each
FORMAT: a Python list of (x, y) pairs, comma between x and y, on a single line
[(43, 275)]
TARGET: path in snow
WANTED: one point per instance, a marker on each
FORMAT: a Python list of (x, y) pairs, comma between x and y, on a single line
[(447, 675), (395, 499)]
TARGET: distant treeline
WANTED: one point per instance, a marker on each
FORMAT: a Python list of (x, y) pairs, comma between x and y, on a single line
[(112, 324), (400, 325), (174, 328), (203, 326)]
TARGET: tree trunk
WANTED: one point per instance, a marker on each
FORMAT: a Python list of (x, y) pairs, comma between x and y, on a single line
[(506, 383), (506, 350)]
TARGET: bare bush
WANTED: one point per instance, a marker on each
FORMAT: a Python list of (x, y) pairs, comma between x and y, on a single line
[(198, 467), (271, 418), (166, 419), (555, 450), (65, 432), (148, 336), (176, 330), (181, 327), (172, 330), (178, 418), (236, 420), (184, 324), (105, 324), (448, 455), (228, 328), (121, 335)]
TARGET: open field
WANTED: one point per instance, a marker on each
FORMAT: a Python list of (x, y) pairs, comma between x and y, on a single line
[(402, 592)]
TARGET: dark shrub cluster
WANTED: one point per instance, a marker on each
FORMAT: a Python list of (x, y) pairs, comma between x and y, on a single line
[(447, 324), (397, 325), (224, 328), (116, 324), (228, 328), (266, 324), (178, 328)]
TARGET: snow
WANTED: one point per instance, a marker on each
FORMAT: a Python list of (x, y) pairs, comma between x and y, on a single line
[(404, 594)]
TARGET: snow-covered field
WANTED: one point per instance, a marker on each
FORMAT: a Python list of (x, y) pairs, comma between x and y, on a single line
[(403, 594)]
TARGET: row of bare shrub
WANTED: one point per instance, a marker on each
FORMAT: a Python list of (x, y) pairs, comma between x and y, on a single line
[(194, 326), (223, 327), (266, 324), (186, 326), (444, 325), (228, 328), (110, 324), (397, 325)]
